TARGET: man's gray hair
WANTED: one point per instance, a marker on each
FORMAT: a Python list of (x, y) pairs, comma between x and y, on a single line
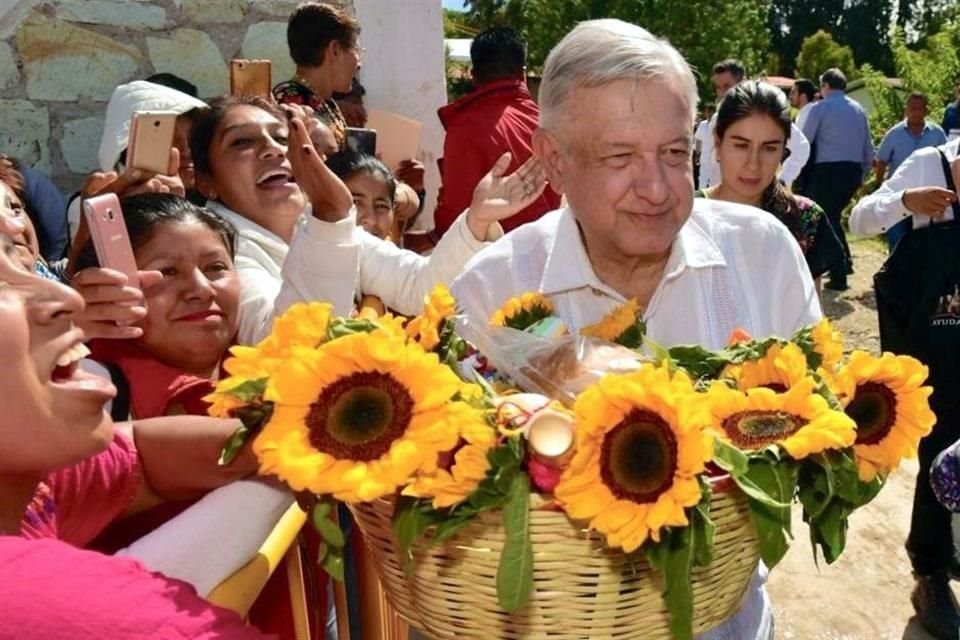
[(597, 52)]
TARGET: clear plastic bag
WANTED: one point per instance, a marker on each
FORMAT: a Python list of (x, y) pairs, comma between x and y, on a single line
[(559, 368)]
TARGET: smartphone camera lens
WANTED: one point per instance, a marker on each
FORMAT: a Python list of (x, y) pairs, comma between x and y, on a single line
[(156, 123), (110, 214)]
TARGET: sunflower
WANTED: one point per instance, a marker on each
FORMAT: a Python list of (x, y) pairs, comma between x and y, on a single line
[(623, 325), (223, 404), (780, 368), (523, 312), (425, 328), (798, 420), (359, 416), (642, 440), (886, 399), (460, 470), (303, 324), (828, 343)]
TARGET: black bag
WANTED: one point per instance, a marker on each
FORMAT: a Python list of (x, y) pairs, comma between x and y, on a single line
[(918, 300)]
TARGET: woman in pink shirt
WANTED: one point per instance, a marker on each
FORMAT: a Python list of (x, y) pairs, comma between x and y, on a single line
[(65, 473)]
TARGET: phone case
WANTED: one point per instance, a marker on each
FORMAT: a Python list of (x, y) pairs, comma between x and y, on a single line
[(362, 140), (250, 78), (151, 137), (109, 233)]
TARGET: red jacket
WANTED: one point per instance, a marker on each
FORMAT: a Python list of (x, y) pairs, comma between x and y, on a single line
[(492, 119)]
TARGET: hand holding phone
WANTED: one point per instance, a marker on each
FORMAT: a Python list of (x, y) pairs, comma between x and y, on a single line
[(250, 78), (362, 140), (151, 138), (109, 233)]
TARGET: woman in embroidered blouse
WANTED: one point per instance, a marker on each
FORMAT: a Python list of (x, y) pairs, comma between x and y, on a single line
[(323, 44), (753, 125), (253, 176)]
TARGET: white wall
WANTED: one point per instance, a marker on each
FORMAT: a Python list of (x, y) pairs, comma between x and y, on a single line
[(403, 72)]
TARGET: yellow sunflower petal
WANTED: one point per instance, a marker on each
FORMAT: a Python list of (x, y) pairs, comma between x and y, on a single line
[(651, 408)]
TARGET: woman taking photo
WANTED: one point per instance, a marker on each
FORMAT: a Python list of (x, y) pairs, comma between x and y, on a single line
[(753, 125), (192, 313), (240, 149)]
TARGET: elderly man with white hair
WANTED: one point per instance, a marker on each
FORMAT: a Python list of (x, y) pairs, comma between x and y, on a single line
[(617, 112)]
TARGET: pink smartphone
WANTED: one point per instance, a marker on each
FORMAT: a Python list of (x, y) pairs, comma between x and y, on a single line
[(151, 137), (109, 234)]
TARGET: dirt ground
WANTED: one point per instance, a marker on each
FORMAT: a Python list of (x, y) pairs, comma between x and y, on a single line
[(865, 595)]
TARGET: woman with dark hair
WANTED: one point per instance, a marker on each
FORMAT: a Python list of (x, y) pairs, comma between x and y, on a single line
[(323, 43), (753, 126), (252, 176), (373, 188), (192, 313)]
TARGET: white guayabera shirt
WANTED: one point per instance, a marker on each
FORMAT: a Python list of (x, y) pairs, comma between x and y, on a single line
[(731, 266), (884, 207)]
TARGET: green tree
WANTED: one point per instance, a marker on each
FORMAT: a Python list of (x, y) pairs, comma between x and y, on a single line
[(705, 31), (458, 24), (930, 68), (863, 25), (820, 52)]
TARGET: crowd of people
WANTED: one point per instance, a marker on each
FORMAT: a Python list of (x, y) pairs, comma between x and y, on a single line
[(586, 194)]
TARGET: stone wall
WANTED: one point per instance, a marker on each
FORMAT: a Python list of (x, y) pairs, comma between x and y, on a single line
[(61, 59)]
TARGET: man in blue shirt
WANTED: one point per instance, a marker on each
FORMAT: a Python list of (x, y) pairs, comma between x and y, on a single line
[(902, 139), (843, 154), (951, 116)]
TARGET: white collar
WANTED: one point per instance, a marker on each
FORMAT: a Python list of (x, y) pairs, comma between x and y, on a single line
[(568, 265), (249, 229)]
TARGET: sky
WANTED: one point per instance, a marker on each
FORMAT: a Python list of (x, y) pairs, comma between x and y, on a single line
[(453, 4)]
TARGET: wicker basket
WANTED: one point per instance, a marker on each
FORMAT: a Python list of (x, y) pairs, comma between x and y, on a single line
[(581, 589)]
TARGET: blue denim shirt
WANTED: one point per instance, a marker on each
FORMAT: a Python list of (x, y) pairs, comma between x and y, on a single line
[(837, 128), (951, 117), (898, 143)]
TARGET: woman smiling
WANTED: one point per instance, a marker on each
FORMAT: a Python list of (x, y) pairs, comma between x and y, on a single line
[(258, 167)]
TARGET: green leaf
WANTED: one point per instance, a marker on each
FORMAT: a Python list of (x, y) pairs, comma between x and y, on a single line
[(233, 445), (773, 524), (737, 464), (729, 458), (829, 530), (632, 336), (672, 557), (323, 522), (341, 327), (252, 418), (449, 528), (704, 528), (816, 486), (698, 361), (331, 561), (249, 390), (515, 572), (410, 522)]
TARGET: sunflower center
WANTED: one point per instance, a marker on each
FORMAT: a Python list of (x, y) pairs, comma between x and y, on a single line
[(874, 409), (757, 429), (359, 416), (639, 457)]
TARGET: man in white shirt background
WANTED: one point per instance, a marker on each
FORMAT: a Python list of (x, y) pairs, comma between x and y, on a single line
[(802, 95), (900, 141), (726, 75), (917, 195)]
